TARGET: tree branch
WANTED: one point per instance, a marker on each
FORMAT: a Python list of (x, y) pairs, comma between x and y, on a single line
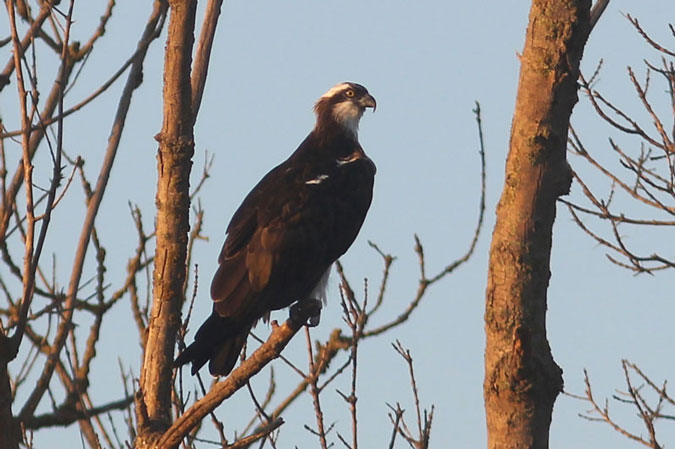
[(267, 352), (174, 163)]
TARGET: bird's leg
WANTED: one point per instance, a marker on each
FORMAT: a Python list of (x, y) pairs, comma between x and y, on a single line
[(301, 310)]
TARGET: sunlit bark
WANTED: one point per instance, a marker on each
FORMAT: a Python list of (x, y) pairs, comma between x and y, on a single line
[(521, 378)]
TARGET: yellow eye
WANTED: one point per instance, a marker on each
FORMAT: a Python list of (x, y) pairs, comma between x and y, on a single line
[(350, 93)]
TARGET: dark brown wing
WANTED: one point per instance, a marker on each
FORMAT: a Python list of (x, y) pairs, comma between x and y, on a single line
[(239, 275)]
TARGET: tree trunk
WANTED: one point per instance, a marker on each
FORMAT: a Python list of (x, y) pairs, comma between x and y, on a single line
[(10, 434), (521, 378), (174, 162)]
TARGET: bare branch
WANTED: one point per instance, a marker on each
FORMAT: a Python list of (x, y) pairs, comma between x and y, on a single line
[(276, 342), (259, 434), (634, 397), (203, 53), (597, 10), (646, 37), (68, 415), (314, 393), (45, 11)]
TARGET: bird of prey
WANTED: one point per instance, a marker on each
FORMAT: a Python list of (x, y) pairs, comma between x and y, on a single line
[(282, 241)]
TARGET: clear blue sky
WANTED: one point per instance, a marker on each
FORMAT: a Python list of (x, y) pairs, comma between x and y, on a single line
[(425, 63)]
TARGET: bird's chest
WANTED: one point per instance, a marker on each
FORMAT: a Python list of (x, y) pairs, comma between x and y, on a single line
[(339, 194), (330, 196), (340, 176)]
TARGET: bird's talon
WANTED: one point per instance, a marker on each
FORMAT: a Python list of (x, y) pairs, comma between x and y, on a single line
[(301, 309), (314, 320)]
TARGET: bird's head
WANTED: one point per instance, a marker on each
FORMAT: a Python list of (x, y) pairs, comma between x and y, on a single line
[(344, 104)]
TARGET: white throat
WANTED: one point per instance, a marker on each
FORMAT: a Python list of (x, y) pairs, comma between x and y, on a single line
[(348, 115)]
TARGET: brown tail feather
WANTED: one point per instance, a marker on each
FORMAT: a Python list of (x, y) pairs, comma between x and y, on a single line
[(226, 355), (218, 340)]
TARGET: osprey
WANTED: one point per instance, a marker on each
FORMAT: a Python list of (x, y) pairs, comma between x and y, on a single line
[(282, 241)]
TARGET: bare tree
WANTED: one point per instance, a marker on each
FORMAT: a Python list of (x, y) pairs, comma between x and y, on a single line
[(52, 335)]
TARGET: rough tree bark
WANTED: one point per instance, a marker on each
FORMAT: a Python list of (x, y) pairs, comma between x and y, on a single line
[(174, 163), (521, 378)]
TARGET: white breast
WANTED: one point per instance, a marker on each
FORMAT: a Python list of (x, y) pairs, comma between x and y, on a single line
[(319, 291)]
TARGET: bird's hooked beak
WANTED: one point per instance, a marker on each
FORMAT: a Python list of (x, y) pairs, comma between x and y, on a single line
[(368, 102)]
